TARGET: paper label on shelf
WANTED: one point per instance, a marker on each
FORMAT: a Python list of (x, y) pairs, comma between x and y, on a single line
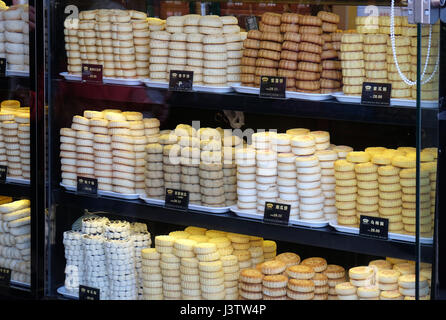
[(87, 185), (251, 23), (3, 173), (276, 213), (5, 277), (2, 67), (180, 80), (92, 73), (89, 293), (374, 227), (272, 87), (177, 199), (376, 93)]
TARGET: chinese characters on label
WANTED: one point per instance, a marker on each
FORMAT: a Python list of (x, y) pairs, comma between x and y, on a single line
[(88, 293), (376, 93), (87, 185), (181, 80), (276, 213), (92, 72), (374, 226), (178, 199), (272, 87)]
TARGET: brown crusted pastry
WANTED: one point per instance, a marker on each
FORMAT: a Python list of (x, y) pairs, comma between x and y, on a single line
[(271, 18), (328, 16), (254, 34), (247, 69), (267, 28), (270, 45), (286, 73), (329, 27), (290, 18), (313, 38), (271, 36), (267, 63), (337, 45), (288, 55), (326, 37), (290, 82), (251, 44), (329, 54), (310, 91), (288, 65), (308, 85), (266, 71), (323, 90), (336, 36), (305, 75), (331, 65), (330, 84), (247, 78), (267, 54), (252, 53), (310, 21), (309, 66), (310, 57), (291, 36), (310, 29), (257, 81), (310, 47), (247, 61), (331, 74), (288, 27), (327, 46), (290, 45)]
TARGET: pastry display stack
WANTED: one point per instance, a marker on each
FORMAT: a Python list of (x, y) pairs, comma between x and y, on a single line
[(177, 45), (151, 273), (251, 47), (72, 241), (190, 161), (230, 143), (245, 159), (211, 271), (352, 62), (159, 55), (194, 47), (72, 46), (335, 275), (288, 55), (390, 196), (375, 62), (3, 7), (250, 284), (15, 238), (15, 42), (234, 46), (270, 46), (402, 47), (346, 192), (328, 181)]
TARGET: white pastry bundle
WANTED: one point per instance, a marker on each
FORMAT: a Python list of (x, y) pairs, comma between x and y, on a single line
[(117, 229), (74, 257), (245, 159), (159, 55), (151, 274), (328, 181), (23, 134), (141, 239), (194, 47), (211, 272), (234, 46), (94, 225)]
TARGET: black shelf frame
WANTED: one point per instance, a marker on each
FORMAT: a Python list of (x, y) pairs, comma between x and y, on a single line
[(16, 190)]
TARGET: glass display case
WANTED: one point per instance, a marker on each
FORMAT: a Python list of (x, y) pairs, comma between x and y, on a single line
[(196, 149)]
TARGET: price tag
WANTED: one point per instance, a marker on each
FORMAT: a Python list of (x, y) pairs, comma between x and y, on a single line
[(3, 173), (251, 23), (87, 185), (177, 199), (276, 213), (374, 227), (272, 87), (2, 67), (181, 80), (376, 93), (5, 277), (88, 293), (92, 73)]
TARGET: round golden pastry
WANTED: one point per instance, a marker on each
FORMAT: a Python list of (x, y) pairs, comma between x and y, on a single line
[(331, 74), (309, 57), (300, 272), (273, 267), (289, 258), (307, 20), (267, 63), (251, 44), (351, 47), (306, 75), (310, 47), (288, 65), (308, 85), (309, 66), (288, 55), (268, 54), (291, 36), (290, 18), (329, 27), (289, 27), (247, 78), (271, 18), (260, 71), (374, 56), (289, 74), (301, 285), (328, 16), (252, 53), (331, 65), (318, 264), (247, 69), (290, 46), (311, 38), (329, 54), (270, 45), (250, 275), (334, 271), (330, 84), (254, 34), (310, 30), (271, 36), (347, 56), (248, 61)]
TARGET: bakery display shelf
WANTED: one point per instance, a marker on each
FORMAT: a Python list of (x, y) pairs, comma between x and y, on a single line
[(14, 189), (325, 237), (327, 109), (193, 207), (15, 73), (67, 294)]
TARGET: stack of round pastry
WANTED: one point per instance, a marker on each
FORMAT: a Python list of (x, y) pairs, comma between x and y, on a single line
[(375, 58), (87, 36), (288, 56), (234, 46), (241, 245), (16, 37), (170, 270), (256, 250), (229, 175), (177, 48), (245, 159), (104, 40), (384, 25), (381, 264), (406, 286), (335, 275), (25, 144), (154, 171), (68, 156), (286, 180), (75, 260), (311, 198), (172, 156), (342, 151), (194, 47), (11, 141), (269, 250), (190, 279), (141, 40), (72, 47), (156, 24), (336, 38), (151, 273), (274, 283), (182, 281), (431, 167), (137, 131), (300, 285), (270, 46), (124, 162), (231, 272), (352, 63), (210, 270), (84, 147), (388, 284), (346, 291), (399, 88), (190, 160), (309, 57), (159, 55), (251, 47), (141, 239), (164, 245), (2, 32), (367, 25), (362, 276), (3, 158), (266, 178), (390, 195), (328, 181), (346, 192), (250, 284), (103, 160)]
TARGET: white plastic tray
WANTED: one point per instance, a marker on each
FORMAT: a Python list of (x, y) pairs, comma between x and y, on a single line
[(391, 235), (341, 97), (201, 88), (131, 196), (17, 180), (109, 80), (17, 73), (21, 284), (67, 294), (311, 224), (308, 96), (155, 84), (246, 89), (245, 213), (191, 206)]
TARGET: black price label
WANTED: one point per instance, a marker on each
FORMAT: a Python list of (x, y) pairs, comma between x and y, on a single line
[(3, 173), (276, 213), (5, 277), (177, 199), (92, 73), (251, 23), (374, 227), (376, 93), (2, 67), (87, 185), (272, 87), (181, 80), (88, 293)]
